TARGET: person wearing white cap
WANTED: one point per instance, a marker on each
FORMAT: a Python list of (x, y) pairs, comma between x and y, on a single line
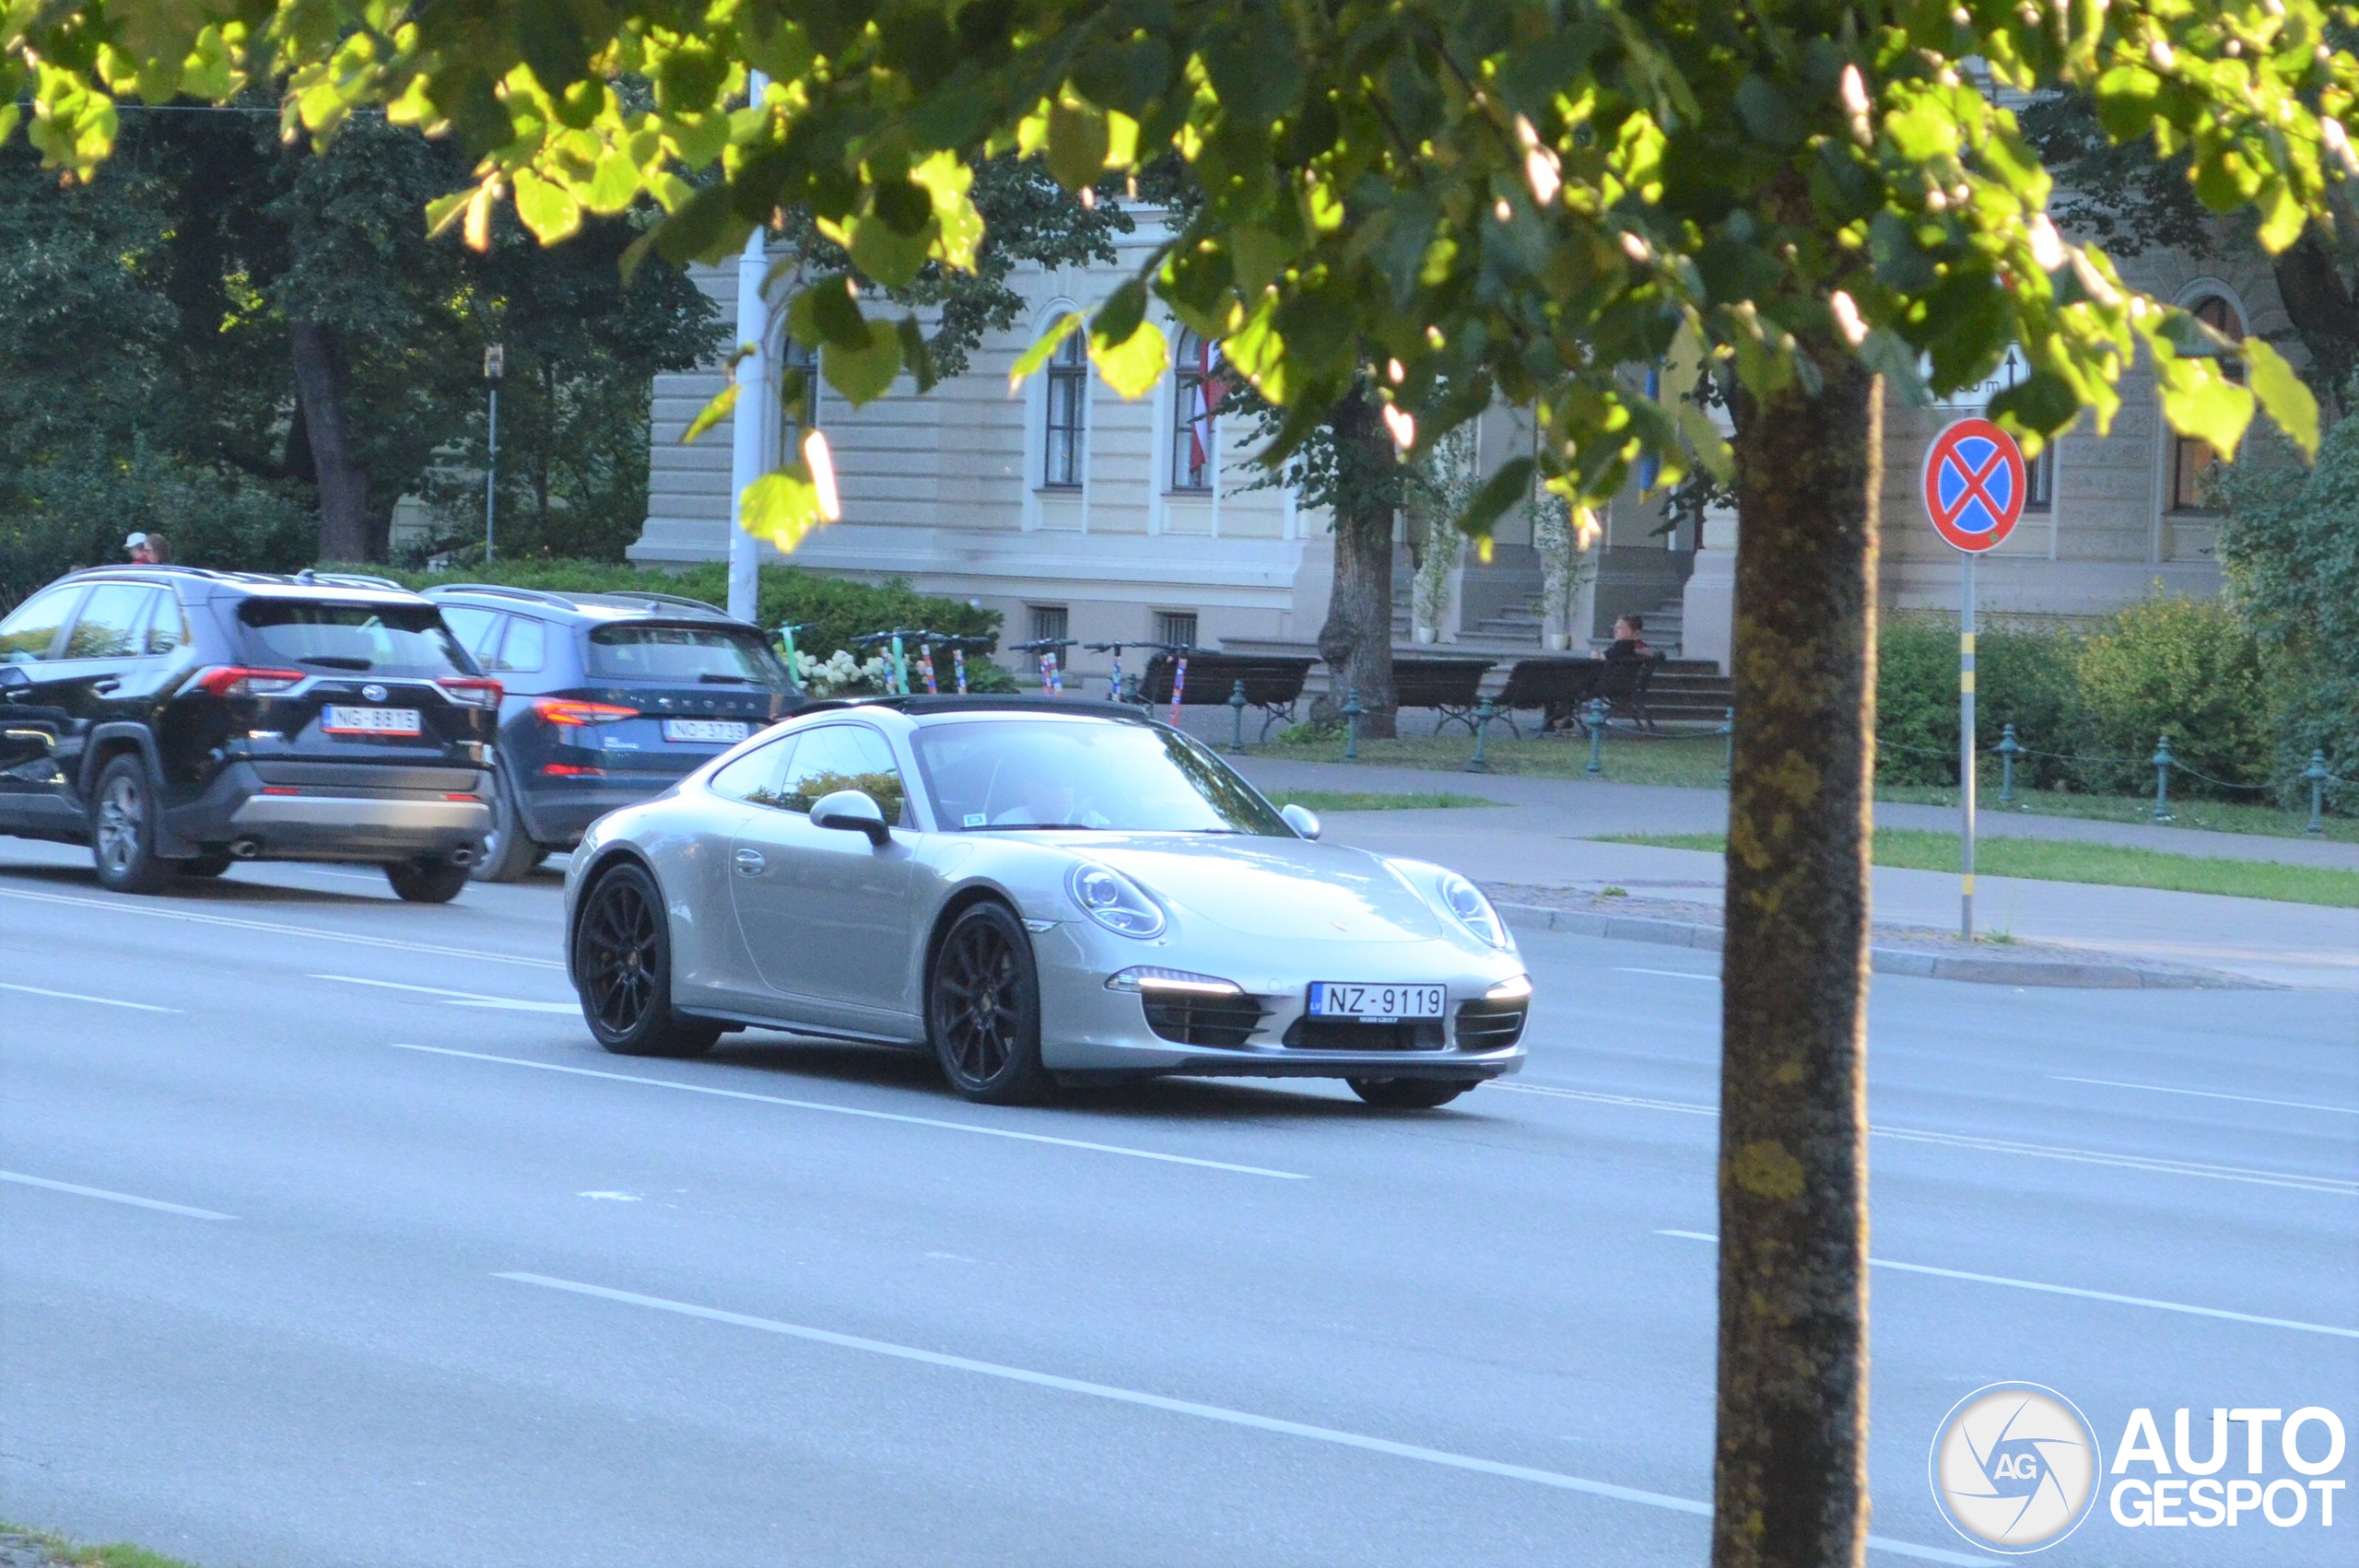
[(147, 549)]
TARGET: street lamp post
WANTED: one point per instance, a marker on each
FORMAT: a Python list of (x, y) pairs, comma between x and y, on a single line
[(495, 360)]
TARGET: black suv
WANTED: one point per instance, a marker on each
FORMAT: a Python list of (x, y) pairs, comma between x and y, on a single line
[(611, 697), (176, 720)]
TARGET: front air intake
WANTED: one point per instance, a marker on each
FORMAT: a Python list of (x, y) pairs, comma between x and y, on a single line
[(1191, 1019)]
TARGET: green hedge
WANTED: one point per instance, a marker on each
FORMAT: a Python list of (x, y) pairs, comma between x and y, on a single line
[(2087, 705)]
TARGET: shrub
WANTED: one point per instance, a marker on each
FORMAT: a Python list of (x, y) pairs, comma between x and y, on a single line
[(59, 516), (2023, 677), (2171, 667)]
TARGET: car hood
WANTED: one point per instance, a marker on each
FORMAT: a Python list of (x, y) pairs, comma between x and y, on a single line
[(1273, 887)]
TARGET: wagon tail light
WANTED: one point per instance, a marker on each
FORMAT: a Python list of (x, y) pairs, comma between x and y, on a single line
[(566, 711), (236, 679), (470, 691)]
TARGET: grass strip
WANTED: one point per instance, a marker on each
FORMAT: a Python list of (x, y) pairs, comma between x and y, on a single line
[(1373, 801), (2060, 860), (66, 1553)]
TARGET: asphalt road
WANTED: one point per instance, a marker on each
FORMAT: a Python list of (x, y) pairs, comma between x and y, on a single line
[(327, 1237)]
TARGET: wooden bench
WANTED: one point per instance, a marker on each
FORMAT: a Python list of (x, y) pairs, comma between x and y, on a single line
[(1273, 682), (1555, 686), (1451, 685)]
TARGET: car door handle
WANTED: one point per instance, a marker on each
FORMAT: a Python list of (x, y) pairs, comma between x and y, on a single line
[(750, 863), (107, 685)]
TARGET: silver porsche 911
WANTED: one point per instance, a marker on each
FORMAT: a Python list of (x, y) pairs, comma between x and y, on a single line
[(1037, 891)]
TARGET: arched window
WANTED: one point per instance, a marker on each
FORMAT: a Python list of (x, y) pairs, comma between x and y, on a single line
[(2190, 455), (1199, 384), (1068, 409)]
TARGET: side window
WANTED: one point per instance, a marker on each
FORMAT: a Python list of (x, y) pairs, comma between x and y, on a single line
[(30, 631), (845, 756), (167, 628), (109, 624), (755, 777), (473, 628), (525, 648)]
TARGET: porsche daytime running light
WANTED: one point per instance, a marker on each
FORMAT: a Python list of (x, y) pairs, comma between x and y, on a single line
[(1474, 910), (1114, 901), (1148, 978), (1515, 989)]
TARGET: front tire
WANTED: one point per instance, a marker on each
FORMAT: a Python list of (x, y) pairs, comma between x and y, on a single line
[(1408, 1094), (122, 830), (983, 1009), (622, 964), (426, 881), (508, 852)]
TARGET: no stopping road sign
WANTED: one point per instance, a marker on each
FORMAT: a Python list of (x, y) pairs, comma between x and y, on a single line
[(1974, 484)]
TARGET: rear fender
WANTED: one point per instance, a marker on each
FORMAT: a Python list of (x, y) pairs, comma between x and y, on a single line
[(107, 741)]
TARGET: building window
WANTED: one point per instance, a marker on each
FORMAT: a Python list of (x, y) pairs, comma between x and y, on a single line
[(2039, 480), (1050, 623), (1176, 627), (1198, 386), (1068, 414), (2192, 457), (807, 361)]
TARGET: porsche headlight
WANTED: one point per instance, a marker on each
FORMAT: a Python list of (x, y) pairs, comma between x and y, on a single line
[(1114, 901), (1474, 910)]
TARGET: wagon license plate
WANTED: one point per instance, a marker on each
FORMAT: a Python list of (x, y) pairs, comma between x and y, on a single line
[(342, 720), (708, 731), (1374, 1004)]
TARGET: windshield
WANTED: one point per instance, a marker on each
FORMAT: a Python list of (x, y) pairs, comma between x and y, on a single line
[(1042, 773), (720, 656), (388, 640)]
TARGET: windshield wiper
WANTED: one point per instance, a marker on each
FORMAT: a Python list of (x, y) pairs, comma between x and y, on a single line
[(334, 660), (1041, 828)]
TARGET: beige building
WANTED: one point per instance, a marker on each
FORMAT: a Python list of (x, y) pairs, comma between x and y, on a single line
[(1077, 514)]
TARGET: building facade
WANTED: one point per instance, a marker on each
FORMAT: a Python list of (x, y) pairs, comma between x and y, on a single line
[(1077, 514)]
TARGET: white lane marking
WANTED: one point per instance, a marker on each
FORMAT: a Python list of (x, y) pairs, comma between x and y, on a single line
[(461, 999), (1220, 1413), (1674, 974), (164, 912), (2208, 1094), (77, 996), (856, 1111), (157, 1205), (611, 1197), (1996, 1145), (2076, 1291)]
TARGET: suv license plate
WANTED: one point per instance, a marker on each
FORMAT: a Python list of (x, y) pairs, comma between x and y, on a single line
[(340, 720), (721, 731), (1374, 1004)]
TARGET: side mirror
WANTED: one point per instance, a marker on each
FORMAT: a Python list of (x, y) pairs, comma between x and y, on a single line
[(1303, 820), (851, 811)]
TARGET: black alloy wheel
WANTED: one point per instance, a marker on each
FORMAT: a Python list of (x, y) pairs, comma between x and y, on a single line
[(1408, 1094), (434, 880), (622, 965), (122, 829), (983, 1008), (508, 852)]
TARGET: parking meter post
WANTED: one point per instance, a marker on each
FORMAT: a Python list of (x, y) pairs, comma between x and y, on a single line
[(1237, 712), (2162, 761), (901, 667), (2008, 747), (958, 666), (2318, 775), (925, 668), (1597, 735), (1352, 723), (1480, 763)]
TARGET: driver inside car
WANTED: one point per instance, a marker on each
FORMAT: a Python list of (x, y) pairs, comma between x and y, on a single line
[(1034, 793)]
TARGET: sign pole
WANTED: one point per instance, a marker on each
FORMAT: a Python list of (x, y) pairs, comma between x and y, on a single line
[(1965, 744)]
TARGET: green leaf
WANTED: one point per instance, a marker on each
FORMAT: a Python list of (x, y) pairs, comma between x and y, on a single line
[(884, 253), (833, 314), (1032, 358), (1078, 140), (960, 227), (1889, 356), (1255, 254), (2042, 402), (1499, 492), (723, 404), (1121, 315), (1132, 365), (917, 354), (2197, 400), (615, 186), (549, 210), (781, 507), (1769, 113), (2284, 395), (867, 374)]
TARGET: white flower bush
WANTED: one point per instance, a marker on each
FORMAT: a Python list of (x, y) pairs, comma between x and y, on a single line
[(840, 675)]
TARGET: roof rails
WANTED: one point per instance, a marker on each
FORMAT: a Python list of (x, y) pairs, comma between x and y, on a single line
[(700, 605), (533, 595), (349, 579)]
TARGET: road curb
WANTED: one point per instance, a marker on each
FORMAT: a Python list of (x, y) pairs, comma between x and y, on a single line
[(2080, 974)]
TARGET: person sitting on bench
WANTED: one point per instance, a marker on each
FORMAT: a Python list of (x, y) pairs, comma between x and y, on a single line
[(1628, 645)]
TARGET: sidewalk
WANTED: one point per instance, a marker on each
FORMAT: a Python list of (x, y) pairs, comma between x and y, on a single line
[(1545, 836)]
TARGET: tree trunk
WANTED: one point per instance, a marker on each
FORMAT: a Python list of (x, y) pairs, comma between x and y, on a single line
[(345, 534), (1790, 1473), (1356, 641), (2310, 282)]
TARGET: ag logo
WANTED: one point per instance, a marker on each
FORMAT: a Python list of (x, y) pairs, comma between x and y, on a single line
[(2014, 1466), (374, 692)]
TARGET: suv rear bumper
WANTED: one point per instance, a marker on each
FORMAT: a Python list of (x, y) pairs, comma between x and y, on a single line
[(346, 820)]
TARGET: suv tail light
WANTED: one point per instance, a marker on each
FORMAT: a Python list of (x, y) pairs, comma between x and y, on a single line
[(471, 690), (565, 711), (236, 679)]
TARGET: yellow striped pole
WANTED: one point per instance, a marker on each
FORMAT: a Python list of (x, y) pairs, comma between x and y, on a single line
[(1966, 745)]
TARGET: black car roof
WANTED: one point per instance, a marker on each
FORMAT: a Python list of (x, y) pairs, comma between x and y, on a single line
[(935, 705), (301, 585), (613, 604)]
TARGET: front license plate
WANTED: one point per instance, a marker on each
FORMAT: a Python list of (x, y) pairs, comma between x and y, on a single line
[(1374, 1004), (710, 731), (370, 720)]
